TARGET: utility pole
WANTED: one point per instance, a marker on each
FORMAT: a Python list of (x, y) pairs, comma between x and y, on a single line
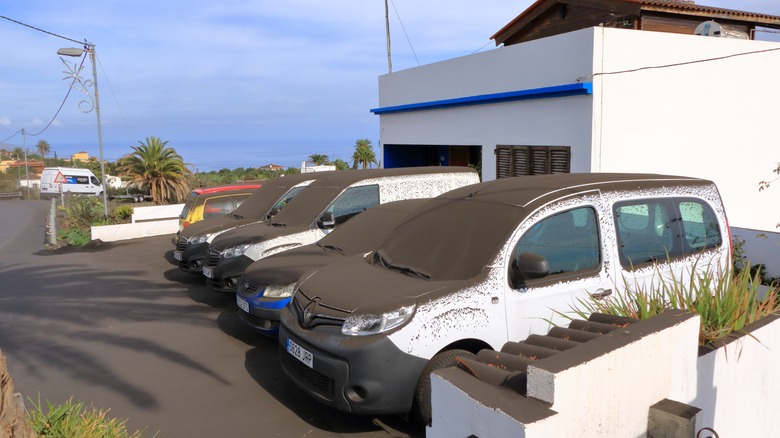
[(75, 52), (387, 32), (26, 167)]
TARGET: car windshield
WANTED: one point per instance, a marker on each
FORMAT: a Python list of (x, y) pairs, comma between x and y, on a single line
[(365, 231), (187, 207), (265, 198), (452, 239)]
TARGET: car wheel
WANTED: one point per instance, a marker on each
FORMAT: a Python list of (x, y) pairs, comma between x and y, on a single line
[(421, 407)]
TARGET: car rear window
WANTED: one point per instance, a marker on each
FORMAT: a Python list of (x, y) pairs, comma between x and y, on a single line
[(662, 229)]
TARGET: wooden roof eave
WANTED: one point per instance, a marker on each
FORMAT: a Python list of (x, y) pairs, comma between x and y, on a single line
[(636, 7), (720, 14), (542, 6)]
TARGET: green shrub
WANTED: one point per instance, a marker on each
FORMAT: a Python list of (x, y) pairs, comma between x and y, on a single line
[(725, 302), (82, 211), (71, 419), (75, 236), (123, 212)]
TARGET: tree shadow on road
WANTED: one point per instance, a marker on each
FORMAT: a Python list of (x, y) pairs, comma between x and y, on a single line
[(57, 311)]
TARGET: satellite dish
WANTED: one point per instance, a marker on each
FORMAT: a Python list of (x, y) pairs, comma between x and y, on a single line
[(713, 29)]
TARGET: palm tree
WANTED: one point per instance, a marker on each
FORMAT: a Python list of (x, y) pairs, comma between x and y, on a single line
[(43, 147), (318, 159), (364, 154), (340, 164), (159, 168)]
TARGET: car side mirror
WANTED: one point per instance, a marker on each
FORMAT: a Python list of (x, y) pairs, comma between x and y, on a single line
[(272, 213), (327, 220), (528, 266)]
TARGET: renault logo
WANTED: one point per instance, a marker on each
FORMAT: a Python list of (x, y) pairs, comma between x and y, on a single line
[(309, 312)]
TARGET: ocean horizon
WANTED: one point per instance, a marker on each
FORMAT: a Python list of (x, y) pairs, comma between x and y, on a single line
[(212, 156)]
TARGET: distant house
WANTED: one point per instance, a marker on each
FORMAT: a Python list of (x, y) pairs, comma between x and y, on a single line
[(307, 168), (80, 156), (605, 86), (5, 164), (15, 166), (272, 167)]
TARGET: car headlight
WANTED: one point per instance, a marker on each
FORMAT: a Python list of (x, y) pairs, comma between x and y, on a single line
[(195, 240), (235, 251), (280, 291), (363, 325)]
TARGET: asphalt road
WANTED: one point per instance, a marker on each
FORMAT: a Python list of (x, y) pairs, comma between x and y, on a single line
[(118, 326)]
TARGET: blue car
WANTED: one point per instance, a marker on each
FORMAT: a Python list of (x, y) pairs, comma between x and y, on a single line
[(268, 284)]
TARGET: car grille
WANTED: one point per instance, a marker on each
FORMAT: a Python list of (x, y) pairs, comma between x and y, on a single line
[(182, 244), (317, 381), (315, 317), (212, 259)]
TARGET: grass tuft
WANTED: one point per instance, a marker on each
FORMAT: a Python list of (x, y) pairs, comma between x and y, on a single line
[(72, 420), (725, 302)]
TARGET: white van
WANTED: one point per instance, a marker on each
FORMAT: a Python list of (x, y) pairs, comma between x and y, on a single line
[(483, 265), (56, 180)]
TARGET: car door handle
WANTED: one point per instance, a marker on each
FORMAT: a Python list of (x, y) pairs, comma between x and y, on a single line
[(601, 294)]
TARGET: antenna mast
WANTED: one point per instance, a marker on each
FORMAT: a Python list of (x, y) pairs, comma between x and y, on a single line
[(387, 32)]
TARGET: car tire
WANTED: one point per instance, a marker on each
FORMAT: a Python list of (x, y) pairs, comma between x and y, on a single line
[(421, 407)]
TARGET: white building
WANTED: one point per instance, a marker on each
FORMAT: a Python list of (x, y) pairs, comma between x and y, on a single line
[(604, 99)]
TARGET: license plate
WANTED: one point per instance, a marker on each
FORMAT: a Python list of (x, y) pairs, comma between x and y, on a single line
[(300, 353), (242, 304), (177, 255), (208, 272)]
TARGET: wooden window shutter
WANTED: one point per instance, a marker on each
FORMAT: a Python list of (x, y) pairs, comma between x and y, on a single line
[(521, 160), (503, 161), (531, 160), (560, 159)]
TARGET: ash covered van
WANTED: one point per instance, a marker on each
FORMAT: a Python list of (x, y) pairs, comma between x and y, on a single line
[(483, 265), (192, 242), (319, 208), (267, 284)]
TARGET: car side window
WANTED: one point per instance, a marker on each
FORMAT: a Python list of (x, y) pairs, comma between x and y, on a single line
[(353, 201), (700, 225), (217, 206), (653, 230), (94, 180), (569, 241)]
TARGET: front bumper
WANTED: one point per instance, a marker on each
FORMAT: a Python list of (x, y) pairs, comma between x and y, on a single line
[(190, 257), (260, 313), (222, 275), (359, 374)]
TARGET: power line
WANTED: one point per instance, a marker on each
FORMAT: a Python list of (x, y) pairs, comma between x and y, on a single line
[(41, 30), (406, 34), (62, 104), (677, 64), (54, 117)]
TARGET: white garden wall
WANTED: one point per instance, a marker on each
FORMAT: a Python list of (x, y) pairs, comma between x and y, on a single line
[(148, 221), (736, 386)]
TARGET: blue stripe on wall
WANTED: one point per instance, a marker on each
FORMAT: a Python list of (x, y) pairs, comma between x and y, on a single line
[(534, 93)]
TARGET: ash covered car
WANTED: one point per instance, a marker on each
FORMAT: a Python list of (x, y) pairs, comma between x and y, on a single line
[(486, 264), (267, 284), (204, 203), (193, 241), (322, 206)]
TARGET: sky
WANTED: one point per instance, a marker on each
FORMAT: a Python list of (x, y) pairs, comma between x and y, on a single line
[(234, 83)]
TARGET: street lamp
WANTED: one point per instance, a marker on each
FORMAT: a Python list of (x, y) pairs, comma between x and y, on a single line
[(74, 74)]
